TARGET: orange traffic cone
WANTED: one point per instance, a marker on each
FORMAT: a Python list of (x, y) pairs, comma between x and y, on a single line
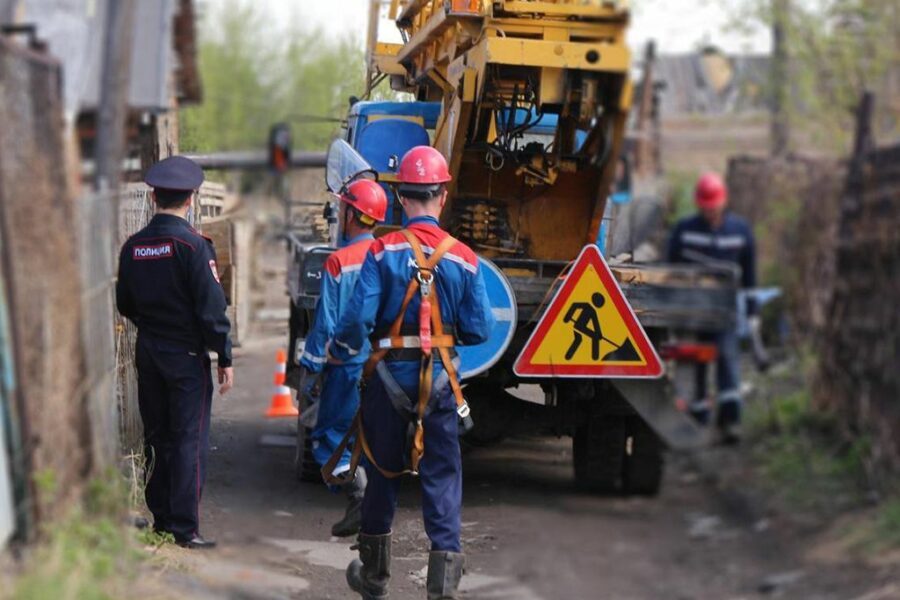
[(282, 405)]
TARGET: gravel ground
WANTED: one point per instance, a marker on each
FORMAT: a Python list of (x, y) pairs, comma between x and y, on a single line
[(528, 533)]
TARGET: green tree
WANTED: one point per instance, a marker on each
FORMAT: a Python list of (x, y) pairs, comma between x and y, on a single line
[(256, 72), (836, 50)]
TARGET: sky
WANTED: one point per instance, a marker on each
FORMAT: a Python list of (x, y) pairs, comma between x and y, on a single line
[(676, 25)]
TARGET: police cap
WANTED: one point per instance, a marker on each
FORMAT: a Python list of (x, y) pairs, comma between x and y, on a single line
[(175, 173)]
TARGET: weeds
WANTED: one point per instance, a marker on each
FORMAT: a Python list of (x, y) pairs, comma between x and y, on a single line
[(802, 457), (84, 556), (91, 553), (887, 525), (149, 537)]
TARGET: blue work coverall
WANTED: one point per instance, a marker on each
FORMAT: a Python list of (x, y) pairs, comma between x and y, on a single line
[(694, 240), (466, 312), (339, 398)]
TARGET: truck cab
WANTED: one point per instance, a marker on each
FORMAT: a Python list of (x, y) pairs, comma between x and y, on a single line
[(385, 131)]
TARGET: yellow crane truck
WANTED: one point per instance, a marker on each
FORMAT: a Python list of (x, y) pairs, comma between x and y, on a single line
[(528, 100)]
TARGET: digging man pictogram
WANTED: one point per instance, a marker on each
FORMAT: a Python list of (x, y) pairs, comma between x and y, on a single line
[(587, 323)]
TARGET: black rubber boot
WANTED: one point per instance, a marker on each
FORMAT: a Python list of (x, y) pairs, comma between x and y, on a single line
[(445, 569), (355, 490), (369, 574)]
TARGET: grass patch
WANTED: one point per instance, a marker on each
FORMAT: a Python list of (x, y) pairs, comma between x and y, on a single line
[(887, 524), (92, 552), (872, 535), (802, 456), (84, 556), (149, 537)]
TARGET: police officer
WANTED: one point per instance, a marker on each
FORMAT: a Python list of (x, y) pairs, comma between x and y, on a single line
[(412, 390), (363, 204), (716, 236), (169, 287)]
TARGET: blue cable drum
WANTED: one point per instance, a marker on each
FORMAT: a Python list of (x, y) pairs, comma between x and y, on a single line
[(478, 359)]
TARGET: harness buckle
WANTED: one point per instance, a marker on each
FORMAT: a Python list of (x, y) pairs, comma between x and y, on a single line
[(464, 414), (425, 278)]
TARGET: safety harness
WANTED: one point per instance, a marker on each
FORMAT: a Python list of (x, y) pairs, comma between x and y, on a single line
[(431, 338)]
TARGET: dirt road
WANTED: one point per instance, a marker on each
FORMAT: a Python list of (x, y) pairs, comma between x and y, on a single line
[(528, 533)]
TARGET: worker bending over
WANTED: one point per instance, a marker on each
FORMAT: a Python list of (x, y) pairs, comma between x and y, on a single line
[(716, 237), (419, 293), (363, 204)]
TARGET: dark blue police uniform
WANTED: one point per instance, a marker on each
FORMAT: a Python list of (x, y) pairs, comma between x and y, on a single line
[(694, 240), (168, 286)]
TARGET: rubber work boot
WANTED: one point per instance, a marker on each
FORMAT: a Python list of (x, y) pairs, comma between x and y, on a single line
[(369, 574), (355, 490), (445, 569)]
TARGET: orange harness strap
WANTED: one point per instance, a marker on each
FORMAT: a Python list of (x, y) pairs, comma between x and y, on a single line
[(439, 341)]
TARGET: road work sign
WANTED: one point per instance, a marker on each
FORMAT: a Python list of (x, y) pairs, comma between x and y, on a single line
[(589, 330)]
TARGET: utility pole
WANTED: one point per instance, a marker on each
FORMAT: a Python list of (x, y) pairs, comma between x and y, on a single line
[(115, 77), (101, 230), (645, 143), (781, 127)]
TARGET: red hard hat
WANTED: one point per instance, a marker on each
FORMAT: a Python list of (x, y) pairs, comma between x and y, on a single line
[(367, 197), (423, 165), (711, 191)]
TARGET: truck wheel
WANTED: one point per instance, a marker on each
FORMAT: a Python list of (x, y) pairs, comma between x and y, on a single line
[(643, 471), (490, 411), (598, 449), (305, 466)]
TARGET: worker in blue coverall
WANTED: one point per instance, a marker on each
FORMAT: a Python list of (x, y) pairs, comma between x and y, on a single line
[(363, 204), (168, 285), (717, 237), (374, 308)]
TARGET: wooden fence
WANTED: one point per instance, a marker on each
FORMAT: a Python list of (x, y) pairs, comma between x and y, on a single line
[(860, 353)]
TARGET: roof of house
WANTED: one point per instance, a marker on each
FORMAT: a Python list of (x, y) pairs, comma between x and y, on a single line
[(73, 30), (711, 83)]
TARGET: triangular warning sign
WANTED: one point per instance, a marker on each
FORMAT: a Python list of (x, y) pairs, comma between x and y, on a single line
[(589, 330)]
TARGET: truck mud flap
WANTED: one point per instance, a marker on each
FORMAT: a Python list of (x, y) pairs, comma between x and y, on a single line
[(651, 400)]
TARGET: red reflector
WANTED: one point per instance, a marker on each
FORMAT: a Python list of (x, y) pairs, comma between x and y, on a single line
[(700, 353), (465, 6)]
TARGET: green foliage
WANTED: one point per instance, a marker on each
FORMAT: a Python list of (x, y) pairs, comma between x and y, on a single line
[(802, 458), (256, 73), (87, 554), (107, 495), (887, 525), (149, 537), (681, 193), (873, 533), (837, 49), (46, 484)]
